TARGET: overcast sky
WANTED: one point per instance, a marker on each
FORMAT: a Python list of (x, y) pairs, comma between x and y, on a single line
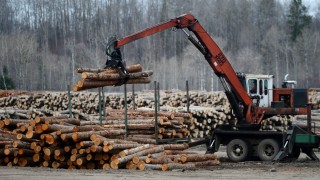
[(311, 4)]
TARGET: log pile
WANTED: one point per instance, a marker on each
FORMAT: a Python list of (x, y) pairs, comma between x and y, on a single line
[(142, 122), (93, 78), (205, 118), (62, 142), (176, 98), (208, 108), (314, 97), (85, 104), (7, 93), (277, 123), (301, 120)]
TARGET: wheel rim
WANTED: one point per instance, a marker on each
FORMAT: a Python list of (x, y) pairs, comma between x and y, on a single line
[(237, 150), (269, 150)]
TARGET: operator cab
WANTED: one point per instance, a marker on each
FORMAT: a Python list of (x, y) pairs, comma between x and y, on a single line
[(259, 87), (262, 92)]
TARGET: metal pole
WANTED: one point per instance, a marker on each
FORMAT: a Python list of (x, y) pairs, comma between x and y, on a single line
[(309, 117), (158, 95), (125, 109), (133, 98), (188, 97), (188, 106), (155, 112), (104, 104), (100, 113), (69, 102)]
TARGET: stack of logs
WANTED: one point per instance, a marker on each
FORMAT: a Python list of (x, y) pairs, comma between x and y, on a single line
[(7, 93), (84, 102), (87, 102), (141, 123), (314, 97), (205, 118), (93, 78), (63, 142), (208, 108), (301, 120)]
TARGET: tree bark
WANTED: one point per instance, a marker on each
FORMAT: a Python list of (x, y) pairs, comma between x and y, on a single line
[(214, 162), (175, 146), (133, 150), (125, 159), (197, 157), (114, 76), (142, 140), (130, 69), (171, 166), (131, 126), (85, 84)]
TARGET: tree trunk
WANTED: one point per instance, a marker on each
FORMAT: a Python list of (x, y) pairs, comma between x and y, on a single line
[(130, 69), (115, 163), (133, 150), (114, 76), (197, 157), (171, 166)]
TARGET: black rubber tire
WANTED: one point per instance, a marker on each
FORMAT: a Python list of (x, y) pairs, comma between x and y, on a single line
[(238, 150), (268, 149)]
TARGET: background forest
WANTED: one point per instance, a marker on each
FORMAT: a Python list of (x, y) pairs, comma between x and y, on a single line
[(43, 41)]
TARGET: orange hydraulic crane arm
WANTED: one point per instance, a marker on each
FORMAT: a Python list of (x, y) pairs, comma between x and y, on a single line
[(212, 53)]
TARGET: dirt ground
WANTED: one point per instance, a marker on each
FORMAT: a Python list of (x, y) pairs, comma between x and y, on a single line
[(303, 168)]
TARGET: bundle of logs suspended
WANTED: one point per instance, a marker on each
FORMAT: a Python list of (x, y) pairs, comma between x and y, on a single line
[(64, 142), (93, 78)]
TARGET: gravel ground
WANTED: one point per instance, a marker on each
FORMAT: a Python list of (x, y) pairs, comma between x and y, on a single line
[(301, 169)]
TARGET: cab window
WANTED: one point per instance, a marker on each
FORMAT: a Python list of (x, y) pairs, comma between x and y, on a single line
[(252, 83), (265, 87), (260, 87)]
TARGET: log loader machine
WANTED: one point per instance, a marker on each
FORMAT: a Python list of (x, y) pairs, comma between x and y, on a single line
[(250, 106)]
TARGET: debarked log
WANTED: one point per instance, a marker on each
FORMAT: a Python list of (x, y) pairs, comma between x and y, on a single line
[(133, 150), (115, 163), (197, 157), (130, 69), (170, 166), (131, 126), (85, 84), (214, 162), (114, 76), (93, 84)]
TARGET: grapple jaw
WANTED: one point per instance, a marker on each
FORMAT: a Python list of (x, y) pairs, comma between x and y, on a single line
[(114, 60)]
